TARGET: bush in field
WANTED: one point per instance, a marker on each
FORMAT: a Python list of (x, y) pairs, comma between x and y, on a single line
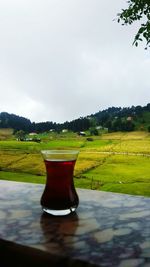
[(93, 131)]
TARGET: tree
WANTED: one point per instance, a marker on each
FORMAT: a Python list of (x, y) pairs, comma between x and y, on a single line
[(138, 10), (20, 135)]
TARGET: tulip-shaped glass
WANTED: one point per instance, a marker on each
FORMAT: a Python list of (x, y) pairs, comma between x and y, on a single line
[(59, 196)]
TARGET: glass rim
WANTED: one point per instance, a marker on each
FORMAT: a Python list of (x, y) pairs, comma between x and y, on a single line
[(59, 151)]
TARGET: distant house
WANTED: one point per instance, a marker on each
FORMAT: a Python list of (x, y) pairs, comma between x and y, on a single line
[(129, 118), (64, 130), (31, 134), (105, 128), (99, 127), (33, 138), (82, 133)]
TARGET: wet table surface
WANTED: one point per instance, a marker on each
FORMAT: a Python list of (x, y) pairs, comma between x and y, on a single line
[(107, 229)]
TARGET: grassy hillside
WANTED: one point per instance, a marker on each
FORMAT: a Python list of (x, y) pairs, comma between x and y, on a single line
[(117, 162)]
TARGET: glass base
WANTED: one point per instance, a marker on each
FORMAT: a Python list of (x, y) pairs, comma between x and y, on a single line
[(59, 212)]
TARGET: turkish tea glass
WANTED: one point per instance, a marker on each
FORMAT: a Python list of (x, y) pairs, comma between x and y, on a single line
[(59, 196)]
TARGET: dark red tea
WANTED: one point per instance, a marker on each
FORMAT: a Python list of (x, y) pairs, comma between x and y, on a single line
[(59, 193)]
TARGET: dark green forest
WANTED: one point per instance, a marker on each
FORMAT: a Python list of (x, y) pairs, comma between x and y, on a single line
[(112, 119)]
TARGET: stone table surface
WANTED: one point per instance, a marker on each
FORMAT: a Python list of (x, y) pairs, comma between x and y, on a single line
[(108, 229)]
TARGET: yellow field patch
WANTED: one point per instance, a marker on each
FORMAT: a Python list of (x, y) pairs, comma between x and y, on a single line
[(34, 164), (134, 146), (125, 135), (6, 159), (113, 136), (31, 163), (86, 161), (5, 133), (135, 135)]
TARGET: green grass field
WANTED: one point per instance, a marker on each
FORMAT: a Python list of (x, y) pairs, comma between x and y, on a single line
[(116, 162)]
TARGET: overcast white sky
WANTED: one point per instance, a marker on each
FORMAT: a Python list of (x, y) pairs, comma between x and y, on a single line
[(62, 59)]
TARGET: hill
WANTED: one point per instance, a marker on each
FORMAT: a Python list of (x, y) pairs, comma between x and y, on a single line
[(124, 119), (113, 119)]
